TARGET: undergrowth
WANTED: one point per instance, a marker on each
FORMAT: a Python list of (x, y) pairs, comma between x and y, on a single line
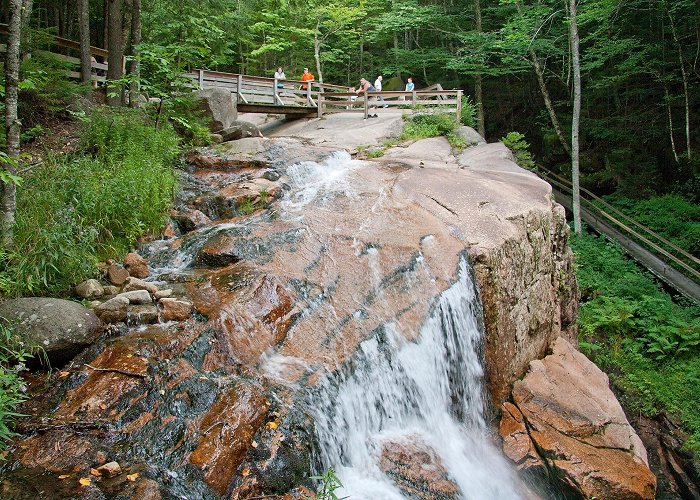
[(75, 210), (648, 344)]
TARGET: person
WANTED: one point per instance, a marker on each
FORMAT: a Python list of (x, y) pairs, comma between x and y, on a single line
[(378, 86), (365, 87), (279, 75), (306, 77), (410, 86)]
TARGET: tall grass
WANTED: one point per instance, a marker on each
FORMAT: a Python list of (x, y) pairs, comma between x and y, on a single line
[(75, 210)]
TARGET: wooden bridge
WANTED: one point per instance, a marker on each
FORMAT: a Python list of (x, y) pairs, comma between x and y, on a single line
[(257, 94)]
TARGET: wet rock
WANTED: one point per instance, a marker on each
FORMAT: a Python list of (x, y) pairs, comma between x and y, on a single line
[(116, 274), (89, 289), (133, 284), (110, 469), (578, 426), (136, 297), (136, 265), (227, 432), (416, 470), (219, 251), (61, 327), (517, 444), (114, 310), (163, 294), (175, 310), (143, 314), (239, 130), (219, 107), (190, 220), (213, 161), (271, 175)]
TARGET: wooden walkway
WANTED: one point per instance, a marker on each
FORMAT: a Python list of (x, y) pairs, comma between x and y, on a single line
[(256, 94)]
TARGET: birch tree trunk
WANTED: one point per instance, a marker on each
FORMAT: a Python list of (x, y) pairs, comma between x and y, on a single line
[(576, 63), (116, 51), (317, 52), (84, 28), (12, 123)]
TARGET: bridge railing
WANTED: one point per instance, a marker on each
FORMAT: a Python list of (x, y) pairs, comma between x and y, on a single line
[(449, 100)]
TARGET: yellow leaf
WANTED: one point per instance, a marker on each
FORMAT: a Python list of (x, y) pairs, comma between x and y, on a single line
[(129, 355), (85, 481), (63, 476), (246, 472), (132, 477), (63, 374), (272, 425), (95, 472)]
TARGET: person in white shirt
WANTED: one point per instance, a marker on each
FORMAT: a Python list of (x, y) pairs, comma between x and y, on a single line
[(279, 75), (378, 88)]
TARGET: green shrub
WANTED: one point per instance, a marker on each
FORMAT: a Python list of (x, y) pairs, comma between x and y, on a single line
[(649, 344), (13, 354), (75, 210), (422, 126), (468, 112), (515, 141)]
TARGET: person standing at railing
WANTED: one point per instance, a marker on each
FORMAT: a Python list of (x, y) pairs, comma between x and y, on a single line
[(410, 87), (365, 87), (307, 76), (378, 87), (279, 75)]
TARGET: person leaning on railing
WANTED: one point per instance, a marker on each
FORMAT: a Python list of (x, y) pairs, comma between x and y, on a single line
[(307, 76), (365, 87), (279, 75)]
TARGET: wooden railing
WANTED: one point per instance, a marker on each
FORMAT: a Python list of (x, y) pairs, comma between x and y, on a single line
[(323, 97)]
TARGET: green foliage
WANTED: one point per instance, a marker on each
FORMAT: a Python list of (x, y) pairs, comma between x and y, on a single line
[(468, 112), (515, 141), (329, 483), (13, 354), (74, 210), (424, 125), (648, 344)]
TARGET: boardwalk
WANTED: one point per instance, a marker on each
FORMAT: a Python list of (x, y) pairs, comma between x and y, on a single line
[(256, 94)]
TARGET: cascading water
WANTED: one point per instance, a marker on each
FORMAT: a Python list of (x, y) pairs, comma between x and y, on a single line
[(430, 390)]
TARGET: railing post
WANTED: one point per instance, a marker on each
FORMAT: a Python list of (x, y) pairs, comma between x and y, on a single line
[(366, 105), (201, 79), (319, 105), (459, 106), (239, 88), (274, 92), (308, 93)]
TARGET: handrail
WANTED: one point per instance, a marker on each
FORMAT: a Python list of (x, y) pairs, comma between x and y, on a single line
[(64, 42)]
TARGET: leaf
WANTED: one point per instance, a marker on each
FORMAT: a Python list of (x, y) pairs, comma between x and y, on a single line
[(132, 477), (272, 425), (85, 481), (245, 472), (95, 472), (254, 444), (63, 476)]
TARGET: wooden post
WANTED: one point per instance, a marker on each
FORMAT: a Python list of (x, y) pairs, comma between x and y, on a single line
[(274, 92), (239, 88), (201, 79), (320, 105), (459, 106), (366, 105)]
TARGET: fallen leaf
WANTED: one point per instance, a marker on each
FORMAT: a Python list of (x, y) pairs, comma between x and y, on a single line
[(85, 481), (162, 392), (246, 472), (254, 444), (272, 425), (129, 355), (63, 476), (63, 374), (132, 477), (103, 406), (95, 472)]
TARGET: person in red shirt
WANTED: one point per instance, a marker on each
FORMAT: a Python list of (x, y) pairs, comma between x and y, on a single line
[(307, 76)]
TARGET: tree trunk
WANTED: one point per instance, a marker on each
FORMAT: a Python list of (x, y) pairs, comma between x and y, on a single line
[(84, 26), (548, 101), (116, 52), (317, 52), (576, 63), (478, 88), (134, 67), (670, 124), (25, 34), (12, 123)]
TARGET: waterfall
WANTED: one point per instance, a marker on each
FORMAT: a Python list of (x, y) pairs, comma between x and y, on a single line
[(428, 391)]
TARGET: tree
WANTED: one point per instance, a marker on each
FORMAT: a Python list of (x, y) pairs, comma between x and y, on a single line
[(12, 123), (84, 28), (115, 60), (134, 68), (576, 115)]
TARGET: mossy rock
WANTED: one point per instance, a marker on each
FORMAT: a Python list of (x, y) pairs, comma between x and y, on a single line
[(393, 84)]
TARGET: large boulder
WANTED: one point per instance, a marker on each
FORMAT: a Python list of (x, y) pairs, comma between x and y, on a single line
[(471, 137), (239, 130), (61, 327), (136, 265), (219, 106), (578, 426)]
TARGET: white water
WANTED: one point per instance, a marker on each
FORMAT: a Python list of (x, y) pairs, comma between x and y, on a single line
[(395, 390)]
